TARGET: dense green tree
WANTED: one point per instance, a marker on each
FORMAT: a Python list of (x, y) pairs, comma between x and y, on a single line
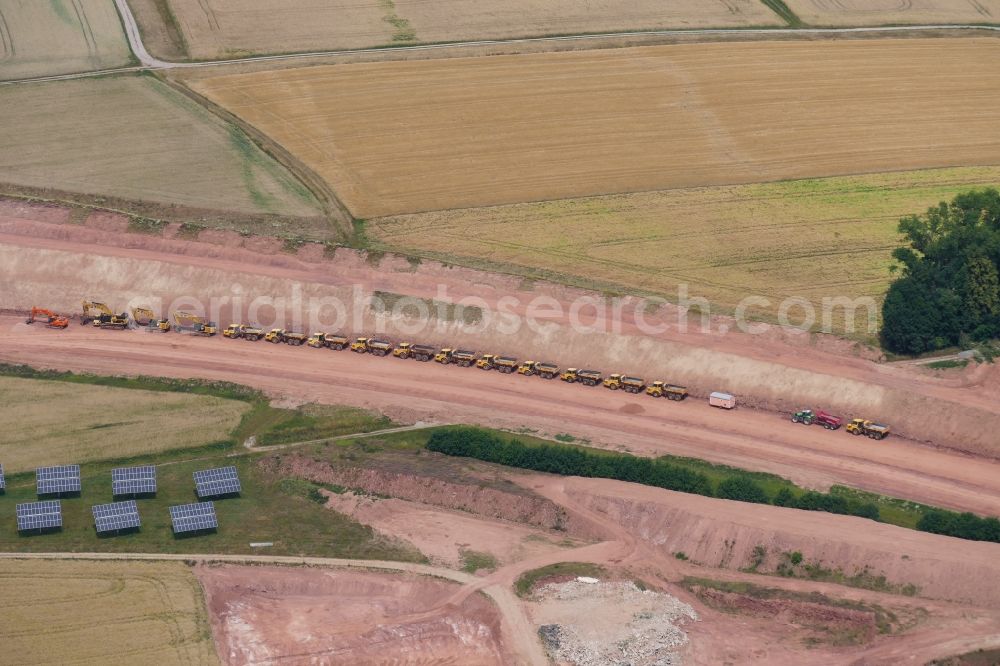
[(949, 285)]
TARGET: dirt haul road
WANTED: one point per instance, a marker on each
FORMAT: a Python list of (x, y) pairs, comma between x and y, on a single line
[(406, 389), (57, 264)]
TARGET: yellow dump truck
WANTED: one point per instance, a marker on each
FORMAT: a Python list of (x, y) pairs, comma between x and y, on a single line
[(585, 377), (243, 331), (418, 352), (625, 383), (868, 429), (371, 346), (293, 338), (669, 391), (329, 340), (504, 364), (546, 370), (460, 357)]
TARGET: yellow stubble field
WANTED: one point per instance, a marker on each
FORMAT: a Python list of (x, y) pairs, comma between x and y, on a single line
[(405, 137), (86, 612), (894, 12), (232, 28)]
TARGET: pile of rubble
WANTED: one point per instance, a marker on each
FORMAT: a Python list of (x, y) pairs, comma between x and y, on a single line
[(613, 623)]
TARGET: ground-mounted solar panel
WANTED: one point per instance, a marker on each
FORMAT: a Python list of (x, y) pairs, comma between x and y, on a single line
[(139, 480), (116, 516), (39, 515), (216, 482), (193, 517), (57, 480), (3, 481)]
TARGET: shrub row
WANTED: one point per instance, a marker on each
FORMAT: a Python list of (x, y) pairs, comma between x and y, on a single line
[(577, 461)]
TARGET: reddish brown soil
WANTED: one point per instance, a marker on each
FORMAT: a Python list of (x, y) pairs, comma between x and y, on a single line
[(484, 501), (309, 616), (749, 439)]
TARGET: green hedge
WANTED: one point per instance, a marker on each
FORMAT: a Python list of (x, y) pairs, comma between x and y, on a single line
[(739, 486)]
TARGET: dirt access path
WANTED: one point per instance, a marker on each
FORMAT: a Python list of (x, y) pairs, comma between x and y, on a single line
[(749, 439)]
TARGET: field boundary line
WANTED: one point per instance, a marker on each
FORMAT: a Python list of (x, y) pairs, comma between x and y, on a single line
[(148, 62), (333, 207)]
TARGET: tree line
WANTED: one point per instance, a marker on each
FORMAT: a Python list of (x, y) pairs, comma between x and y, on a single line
[(566, 460), (948, 291)]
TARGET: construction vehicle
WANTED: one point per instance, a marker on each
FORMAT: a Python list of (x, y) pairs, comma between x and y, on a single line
[(51, 319), (625, 383), (146, 319), (669, 391), (192, 323), (328, 340), (504, 364), (117, 321), (868, 429), (585, 377), (101, 316), (460, 357), (277, 335), (372, 346), (825, 419), (250, 333), (418, 352), (546, 370)]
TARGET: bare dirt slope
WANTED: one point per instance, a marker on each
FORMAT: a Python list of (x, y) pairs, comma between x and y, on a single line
[(723, 534), (953, 413), (697, 114), (267, 615), (774, 370)]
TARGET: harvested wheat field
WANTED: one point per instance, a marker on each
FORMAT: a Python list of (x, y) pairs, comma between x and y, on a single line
[(135, 138), (807, 238), (80, 612), (894, 12), (53, 422), (233, 28), (60, 37), (508, 129)]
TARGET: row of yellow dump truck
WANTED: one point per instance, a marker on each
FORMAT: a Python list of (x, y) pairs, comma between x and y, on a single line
[(101, 316)]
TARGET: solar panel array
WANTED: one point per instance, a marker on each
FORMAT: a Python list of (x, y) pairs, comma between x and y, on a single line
[(39, 515), (62, 479), (193, 517), (3, 481), (133, 480), (116, 516), (214, 482)]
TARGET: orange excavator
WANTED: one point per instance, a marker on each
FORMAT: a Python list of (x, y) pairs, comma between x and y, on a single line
[(51, 319)]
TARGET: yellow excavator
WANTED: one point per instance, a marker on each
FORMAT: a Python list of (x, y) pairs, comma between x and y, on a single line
[(101, 316), (146, 319), (192, 323)]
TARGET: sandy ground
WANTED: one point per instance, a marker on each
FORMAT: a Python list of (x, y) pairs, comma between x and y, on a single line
[(653, 118), (443, 535), (54, 264), (279, 615)]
